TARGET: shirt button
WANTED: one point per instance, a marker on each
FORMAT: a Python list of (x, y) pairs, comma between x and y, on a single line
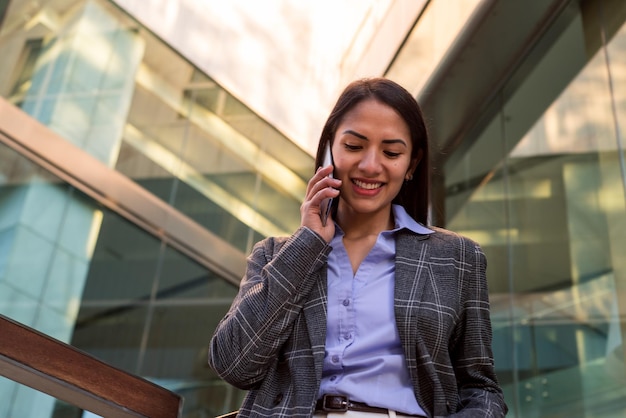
[(348, 336), (335, 359), (346, 302)]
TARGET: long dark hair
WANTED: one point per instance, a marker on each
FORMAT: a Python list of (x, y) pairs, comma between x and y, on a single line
[(415, 193)]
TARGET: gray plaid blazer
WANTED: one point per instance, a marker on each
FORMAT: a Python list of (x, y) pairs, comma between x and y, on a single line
[(271, 341)]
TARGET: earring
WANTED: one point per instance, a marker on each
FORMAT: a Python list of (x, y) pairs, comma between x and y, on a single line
[(408, 177)]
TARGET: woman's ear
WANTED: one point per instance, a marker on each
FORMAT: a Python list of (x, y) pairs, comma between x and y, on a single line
[(414, 163)]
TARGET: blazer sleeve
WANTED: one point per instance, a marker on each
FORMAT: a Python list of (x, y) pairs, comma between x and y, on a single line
[(479, 392), (280, 274)]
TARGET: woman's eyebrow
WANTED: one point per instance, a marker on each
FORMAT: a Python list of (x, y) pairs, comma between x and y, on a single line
[(363, 137), (358, 135)]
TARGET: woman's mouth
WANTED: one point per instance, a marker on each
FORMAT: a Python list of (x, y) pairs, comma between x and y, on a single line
[(367, 185)]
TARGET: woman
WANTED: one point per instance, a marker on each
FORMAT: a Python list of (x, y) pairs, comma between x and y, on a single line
[(370, 314)]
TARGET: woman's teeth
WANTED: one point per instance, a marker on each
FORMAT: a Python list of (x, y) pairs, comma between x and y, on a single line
[(368, 186)]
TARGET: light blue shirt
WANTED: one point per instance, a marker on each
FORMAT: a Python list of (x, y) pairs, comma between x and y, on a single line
[(364, 358)]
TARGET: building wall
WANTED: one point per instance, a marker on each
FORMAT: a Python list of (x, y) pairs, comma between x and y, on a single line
[(128, 204), (132, 187), (287, 60), (527, 119)]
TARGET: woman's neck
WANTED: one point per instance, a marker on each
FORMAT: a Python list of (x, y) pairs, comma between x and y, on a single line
[(360, 225)]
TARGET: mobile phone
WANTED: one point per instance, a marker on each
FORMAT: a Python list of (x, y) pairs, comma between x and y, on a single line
[(327, 204)]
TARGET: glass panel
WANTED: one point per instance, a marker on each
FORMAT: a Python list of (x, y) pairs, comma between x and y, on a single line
[(181, 279), (543, 190), (44, 254), (81, 273), (27, 402), (228, 154), (152, 321), (114, 309), (80, 94), (150, 175), (46, 243), (176, 356), (106, 84), (429, 40), (189, 303), (140, 107)]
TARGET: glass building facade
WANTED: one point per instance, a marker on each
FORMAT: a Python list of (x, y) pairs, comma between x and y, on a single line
[(132, 186), (127, 210), (537, 175)]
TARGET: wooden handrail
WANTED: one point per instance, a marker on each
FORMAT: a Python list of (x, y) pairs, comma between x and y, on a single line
[(45, 364)]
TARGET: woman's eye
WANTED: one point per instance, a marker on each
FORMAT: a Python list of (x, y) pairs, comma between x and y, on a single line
[(392, 154), (351, 147)]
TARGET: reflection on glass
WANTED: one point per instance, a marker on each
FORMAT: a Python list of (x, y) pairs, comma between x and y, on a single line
[(183, 280), (428, 42), (206, 139), (106, 84), (188, 304), (139, 106), (550, 214), (44, 253), (150, 310), (27, 402), (47, 239), (97, 280)]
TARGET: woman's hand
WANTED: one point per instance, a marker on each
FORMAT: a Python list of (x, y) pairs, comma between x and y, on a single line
[(320, 187)]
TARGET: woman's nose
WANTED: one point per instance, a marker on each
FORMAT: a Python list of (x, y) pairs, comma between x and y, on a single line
[(370, 163)]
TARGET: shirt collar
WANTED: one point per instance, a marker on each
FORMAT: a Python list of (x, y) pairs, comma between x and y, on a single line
[(403, 220)]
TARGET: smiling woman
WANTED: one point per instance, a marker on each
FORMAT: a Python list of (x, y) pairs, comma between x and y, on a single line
[(371, 313)]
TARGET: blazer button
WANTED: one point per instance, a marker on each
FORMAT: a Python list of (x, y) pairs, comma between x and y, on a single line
[(278, 399)]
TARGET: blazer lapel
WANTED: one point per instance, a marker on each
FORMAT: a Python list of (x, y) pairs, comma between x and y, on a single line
[(412, 254)]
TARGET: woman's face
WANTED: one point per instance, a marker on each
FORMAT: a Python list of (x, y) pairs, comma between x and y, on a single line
[(372, 156)]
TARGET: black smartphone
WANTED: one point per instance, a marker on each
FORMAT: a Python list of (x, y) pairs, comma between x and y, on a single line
[(327, 204)]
